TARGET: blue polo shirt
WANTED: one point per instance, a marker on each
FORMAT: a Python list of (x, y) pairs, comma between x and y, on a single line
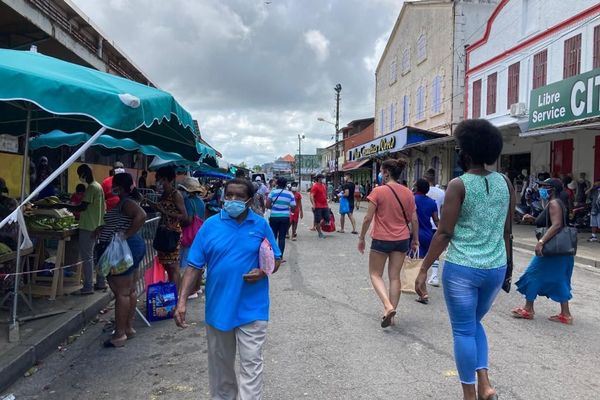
[(229, 250)]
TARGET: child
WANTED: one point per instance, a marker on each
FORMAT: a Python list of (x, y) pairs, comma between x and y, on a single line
[(77, 197)]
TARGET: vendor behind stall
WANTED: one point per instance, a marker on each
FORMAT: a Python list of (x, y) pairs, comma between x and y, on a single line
[(7, 205), (111, 199)]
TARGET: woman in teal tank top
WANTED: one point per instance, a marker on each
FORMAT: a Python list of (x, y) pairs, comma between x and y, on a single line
[(475, 228)]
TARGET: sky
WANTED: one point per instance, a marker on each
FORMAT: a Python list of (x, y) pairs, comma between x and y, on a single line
[(256, 74)]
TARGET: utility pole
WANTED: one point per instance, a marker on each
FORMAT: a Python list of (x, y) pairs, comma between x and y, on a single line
[(338, 89), (300, 137)]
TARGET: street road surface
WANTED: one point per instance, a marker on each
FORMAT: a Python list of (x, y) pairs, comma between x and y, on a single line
[(324, 342)]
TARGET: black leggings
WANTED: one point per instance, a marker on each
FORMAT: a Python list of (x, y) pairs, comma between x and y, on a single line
[(280, 226)]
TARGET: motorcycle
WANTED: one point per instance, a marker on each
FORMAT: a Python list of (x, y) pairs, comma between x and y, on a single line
[(532, 205), (580, 216)]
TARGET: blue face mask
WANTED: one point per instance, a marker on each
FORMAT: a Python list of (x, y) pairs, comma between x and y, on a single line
[(544, 193), (115, 192), (234, 207)]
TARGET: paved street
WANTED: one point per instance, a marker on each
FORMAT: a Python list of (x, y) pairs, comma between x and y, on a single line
[(325, 342)]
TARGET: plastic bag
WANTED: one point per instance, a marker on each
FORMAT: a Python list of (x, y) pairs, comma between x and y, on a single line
[(410, 271), (266, 257), (161, 301), (344, 205), (117, 257), (155, 274)]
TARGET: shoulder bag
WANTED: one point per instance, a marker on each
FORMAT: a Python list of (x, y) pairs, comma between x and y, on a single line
[(189, 232), (564, 243), (507, 283), (399, 202)]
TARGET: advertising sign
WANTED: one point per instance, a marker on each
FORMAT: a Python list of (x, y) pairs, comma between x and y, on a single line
[(571, 99), (384, 144)]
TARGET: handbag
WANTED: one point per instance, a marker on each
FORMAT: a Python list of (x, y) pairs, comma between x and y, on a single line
[(410, 271), (564, 243), (189, 232), (507, 282), (165, 240)]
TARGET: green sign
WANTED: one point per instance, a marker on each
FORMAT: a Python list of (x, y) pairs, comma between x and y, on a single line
[(571, 99)]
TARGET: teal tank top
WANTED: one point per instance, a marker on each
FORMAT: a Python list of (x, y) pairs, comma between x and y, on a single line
[(478, 240)]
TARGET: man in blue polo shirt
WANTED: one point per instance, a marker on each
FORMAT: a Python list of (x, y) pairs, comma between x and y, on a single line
[(237, 293)]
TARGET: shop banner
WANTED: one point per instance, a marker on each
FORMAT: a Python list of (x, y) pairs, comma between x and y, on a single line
[(385, 144), (572, 99)]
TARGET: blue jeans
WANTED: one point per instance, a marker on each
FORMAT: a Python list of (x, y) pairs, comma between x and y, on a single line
[(469, 294)]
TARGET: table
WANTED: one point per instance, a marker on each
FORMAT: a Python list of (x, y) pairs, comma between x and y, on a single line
[(10, 258), (57, 284)]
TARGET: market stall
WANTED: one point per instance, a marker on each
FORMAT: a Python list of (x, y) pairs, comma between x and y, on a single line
[(40, 94)]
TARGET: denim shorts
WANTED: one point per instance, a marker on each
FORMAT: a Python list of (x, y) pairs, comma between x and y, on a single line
[(388, 246)]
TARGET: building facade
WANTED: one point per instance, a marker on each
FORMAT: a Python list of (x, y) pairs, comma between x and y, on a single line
[(420, 76), (540, 85)]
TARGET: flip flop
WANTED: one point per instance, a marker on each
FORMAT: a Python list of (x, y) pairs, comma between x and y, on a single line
[(386, 321), (560, 318), (341, 231), (354, 233), (109, 343), (423, 300), (521, 313)]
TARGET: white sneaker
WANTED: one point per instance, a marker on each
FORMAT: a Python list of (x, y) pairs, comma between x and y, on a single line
[(434, 281), (593, 239)]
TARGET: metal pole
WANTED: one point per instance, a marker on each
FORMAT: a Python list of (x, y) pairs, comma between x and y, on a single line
[(299, 162), (338, 89)]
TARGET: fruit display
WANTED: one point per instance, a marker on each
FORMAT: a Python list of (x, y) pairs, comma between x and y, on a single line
[(50, 219)]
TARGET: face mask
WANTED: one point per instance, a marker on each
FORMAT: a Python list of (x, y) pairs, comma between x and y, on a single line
[(323, 180), (380, 178), (115, 192), (82, 180), (294, 189), (544, 193), (234, 207)]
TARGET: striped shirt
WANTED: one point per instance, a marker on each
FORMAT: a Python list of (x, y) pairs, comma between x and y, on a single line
[(115, 221), (282, 201)]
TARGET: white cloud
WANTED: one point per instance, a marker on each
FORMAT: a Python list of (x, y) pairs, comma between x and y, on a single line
[(318, 43), (372, 60)]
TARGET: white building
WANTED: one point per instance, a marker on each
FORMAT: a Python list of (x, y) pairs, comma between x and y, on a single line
[(533, 74), (420, 76)]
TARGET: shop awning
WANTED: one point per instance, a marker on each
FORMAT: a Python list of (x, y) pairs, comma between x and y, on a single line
[(430, 142), (352, 165), (560, 129)]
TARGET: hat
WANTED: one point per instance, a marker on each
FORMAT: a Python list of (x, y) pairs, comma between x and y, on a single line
[(191, 185), (258, 179), (118, 164), (119, 170), (555, 184)]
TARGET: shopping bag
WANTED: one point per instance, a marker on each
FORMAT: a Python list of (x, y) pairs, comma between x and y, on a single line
[(266, 257), (161, 301), (155, 274), (344, 205), (117, 257), (410, 271), (188, 234), (328, 227)]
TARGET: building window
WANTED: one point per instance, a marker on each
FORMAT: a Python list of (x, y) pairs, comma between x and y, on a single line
[(392, 117), (421, 48), (492, 82), (572, 64), (596, 63), (393, 72), (406, 61), (436, 164), (513, 84), (418, 169), (382, 121), (540, 67), (436, 95), (405, 110), (477, 98), (420, 103)]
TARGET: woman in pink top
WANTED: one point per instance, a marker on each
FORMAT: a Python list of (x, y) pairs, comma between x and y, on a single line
[(392, 207)]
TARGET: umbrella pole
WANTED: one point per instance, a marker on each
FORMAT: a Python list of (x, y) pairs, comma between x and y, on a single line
[(13, 327)]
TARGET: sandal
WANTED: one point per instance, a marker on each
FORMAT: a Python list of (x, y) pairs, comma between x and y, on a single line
[(521, 313), (341, 231), (563, 319), (387, 319), (114, 343), (423, 300)]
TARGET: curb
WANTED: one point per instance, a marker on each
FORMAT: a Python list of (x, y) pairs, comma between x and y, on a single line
[(578, 260), (18, 360)]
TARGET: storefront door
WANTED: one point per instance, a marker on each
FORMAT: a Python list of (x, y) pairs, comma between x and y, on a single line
[(597, 159), (562, 157)]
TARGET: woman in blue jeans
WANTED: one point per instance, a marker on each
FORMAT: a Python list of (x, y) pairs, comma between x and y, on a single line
[(475, 227), (126, 219)]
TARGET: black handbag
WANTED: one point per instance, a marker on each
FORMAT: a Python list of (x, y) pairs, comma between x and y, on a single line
[(564, 243), (507, 283), (165, 240)]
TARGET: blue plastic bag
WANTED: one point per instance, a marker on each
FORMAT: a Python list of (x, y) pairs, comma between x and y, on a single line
[(161, 301), (344, 205)]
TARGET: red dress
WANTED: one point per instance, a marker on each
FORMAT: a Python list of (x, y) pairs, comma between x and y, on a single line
[(295, 216)]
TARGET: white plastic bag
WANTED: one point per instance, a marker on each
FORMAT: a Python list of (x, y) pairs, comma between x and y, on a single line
[(117, 257)]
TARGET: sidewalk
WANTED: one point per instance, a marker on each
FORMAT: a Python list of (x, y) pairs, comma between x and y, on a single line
[(40, 337), (587, 253)]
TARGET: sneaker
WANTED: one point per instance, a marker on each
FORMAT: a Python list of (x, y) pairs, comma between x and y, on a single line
[(321, 236), (434, 281), (593, 239), (193, 296)]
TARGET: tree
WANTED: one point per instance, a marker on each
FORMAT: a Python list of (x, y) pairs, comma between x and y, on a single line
[(257, 168), (242, 165)]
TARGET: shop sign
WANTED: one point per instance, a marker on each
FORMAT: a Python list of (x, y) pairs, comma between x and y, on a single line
[(385, 144), (9, 144), (571, 99)]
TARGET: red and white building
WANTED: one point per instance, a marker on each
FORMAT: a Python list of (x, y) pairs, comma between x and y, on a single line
[(533, 74)]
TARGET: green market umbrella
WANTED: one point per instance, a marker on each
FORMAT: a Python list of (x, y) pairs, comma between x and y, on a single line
[(58, 138), (40, 93)]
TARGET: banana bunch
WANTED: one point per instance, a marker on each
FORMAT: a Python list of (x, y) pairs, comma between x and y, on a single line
[(48, 201)]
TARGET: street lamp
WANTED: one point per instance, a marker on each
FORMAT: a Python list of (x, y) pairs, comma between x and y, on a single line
[(300, 137)]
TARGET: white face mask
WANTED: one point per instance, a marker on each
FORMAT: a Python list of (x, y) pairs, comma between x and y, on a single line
[(294, 189), (323, 181)]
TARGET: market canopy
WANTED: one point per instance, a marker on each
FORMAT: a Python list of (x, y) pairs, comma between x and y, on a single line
[(197, 168), (73, 98), (58, 138)]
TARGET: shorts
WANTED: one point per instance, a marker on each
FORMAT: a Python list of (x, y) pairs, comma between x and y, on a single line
[(595, 221), (389, 246), (321, 214)]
